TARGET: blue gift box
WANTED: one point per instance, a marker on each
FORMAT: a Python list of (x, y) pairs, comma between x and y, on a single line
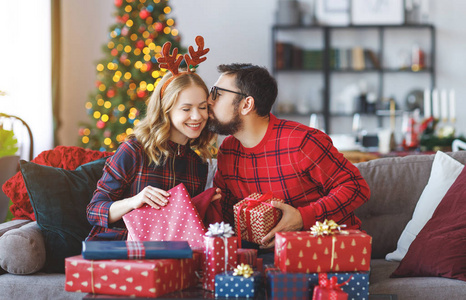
[(136, 250), (227, 285), (282, 285)]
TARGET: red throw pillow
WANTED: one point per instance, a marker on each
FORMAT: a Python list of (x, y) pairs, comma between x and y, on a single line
[(65, 157), (439, 250)]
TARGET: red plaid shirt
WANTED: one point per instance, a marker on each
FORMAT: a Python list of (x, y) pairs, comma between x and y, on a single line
[(298, 164), (127, 173)]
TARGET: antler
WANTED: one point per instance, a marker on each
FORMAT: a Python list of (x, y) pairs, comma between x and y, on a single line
[(170, 62), (196, 58)]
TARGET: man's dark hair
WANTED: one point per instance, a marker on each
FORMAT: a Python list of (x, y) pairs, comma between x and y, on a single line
[(253, 81)]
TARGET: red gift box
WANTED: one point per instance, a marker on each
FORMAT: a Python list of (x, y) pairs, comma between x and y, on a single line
[(145, 278), (329, 289), (303, 252), (177, 221), (247, 257), (255, 217), (220, 256)]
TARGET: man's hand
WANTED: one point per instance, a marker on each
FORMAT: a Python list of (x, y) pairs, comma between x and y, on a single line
[(291, 221)]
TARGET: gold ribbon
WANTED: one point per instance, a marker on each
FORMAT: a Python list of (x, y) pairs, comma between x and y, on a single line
[(244, 270), (92, 276), (326, 228)]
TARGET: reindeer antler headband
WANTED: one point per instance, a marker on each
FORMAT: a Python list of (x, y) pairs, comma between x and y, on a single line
[(172, 63)]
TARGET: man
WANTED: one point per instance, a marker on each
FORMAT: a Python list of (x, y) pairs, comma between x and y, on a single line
[(297, 163)]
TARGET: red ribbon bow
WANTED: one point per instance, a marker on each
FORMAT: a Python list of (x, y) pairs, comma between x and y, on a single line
[(250, 204), (331, 284)]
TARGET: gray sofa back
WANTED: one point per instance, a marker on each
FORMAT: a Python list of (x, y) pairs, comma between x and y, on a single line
[(396, 184)]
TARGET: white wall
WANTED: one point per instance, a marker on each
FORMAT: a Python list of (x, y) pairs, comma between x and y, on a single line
[(236, 31), (25, 68)]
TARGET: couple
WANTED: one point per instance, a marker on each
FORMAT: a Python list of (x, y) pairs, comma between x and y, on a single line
[(297, 163)]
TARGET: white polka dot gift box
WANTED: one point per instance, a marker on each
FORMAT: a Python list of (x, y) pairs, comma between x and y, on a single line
[(144, 278), (220, 252), (177, 221), (230, 286), (303, 252)]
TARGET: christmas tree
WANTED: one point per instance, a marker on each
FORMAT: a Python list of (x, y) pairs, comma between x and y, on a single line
[(129, 72)]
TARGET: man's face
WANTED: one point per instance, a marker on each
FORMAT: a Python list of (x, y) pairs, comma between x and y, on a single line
[(225, 118)]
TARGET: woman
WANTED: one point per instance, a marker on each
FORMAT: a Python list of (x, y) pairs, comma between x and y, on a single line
[(156, 157)]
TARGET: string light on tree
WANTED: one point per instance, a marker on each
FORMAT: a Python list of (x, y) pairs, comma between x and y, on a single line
[(129, 71)]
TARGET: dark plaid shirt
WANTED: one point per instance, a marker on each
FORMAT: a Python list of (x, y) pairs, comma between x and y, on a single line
[(298, 164), (127, 173)]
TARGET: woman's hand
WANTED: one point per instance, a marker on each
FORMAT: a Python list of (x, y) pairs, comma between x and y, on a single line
[(152, 196), (217, 195)]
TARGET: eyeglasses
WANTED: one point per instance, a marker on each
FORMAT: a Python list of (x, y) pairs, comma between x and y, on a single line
[(214, 92)]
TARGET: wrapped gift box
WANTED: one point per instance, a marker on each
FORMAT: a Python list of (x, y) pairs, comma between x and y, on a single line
[(281, 285), (145, 278), (136, 250), (220, 255), (177, 221), (301, 251), (229, 285), (255, 217), (247, 257), (321, 293)]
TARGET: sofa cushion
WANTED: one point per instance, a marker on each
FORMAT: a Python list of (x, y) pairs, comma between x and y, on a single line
[(22, 250), (59, 198), (444, 172), (440, 247), (66, 157)]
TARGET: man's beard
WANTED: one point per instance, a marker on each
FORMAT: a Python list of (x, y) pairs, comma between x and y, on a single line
[(229, 128)]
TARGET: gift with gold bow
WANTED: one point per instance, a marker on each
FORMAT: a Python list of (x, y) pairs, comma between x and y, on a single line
[(242, 282), (325, 248), (255, 217)]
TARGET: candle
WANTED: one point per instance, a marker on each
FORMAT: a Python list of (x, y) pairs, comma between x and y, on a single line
[(452, 106), (427, 104), (435, 104), (444, 105)]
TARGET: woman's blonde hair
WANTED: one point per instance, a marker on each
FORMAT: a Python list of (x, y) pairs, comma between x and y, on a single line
[(153, 132)]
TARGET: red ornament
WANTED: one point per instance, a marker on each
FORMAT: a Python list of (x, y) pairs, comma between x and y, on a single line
[(81, 131), (148, 66), (158, 26), (144, 14), (100, 124), (97, 83), (111, 93), (118, 3), (141, 94), (124, 31), (125, 18), (140, 44), (123, 57), (142, 28), (114, 52)]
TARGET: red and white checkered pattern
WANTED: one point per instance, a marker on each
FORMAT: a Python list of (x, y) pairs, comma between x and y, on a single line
[(256, 222)]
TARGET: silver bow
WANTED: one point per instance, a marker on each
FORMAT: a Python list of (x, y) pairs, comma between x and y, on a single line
[(220, 230)]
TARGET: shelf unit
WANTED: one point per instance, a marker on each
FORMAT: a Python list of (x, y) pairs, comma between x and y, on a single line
[(327, 71)]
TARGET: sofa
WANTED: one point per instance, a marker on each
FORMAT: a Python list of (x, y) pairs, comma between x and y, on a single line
[(396, 185)]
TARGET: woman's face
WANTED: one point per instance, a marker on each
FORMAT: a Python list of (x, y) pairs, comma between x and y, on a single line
[(189, 115)]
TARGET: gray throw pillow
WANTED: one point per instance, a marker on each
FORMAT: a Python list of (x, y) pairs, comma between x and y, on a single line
[(22, 250)]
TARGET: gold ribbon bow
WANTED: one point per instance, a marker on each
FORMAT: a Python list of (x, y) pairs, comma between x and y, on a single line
[(244, 270), (326, 228)]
